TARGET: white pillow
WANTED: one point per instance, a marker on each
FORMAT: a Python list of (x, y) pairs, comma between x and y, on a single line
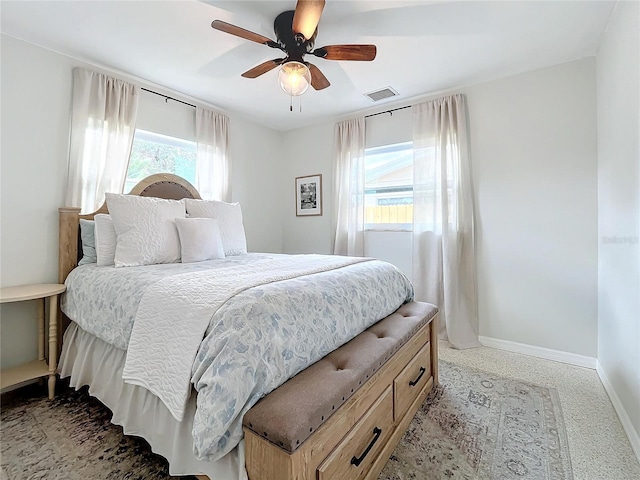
[(229, 217), (199, 239), (146, 229), (105, 235)]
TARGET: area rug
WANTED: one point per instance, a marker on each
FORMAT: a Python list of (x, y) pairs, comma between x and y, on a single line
[(473, 426), (70, 438), (479, 426)]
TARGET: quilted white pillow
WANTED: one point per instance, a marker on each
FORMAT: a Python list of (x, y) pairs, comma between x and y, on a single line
[(146, 229), (105, 235), (199, 239), (229, 217)]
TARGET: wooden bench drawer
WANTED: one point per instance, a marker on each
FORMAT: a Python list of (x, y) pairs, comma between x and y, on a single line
[(410, 382), (355, 454)]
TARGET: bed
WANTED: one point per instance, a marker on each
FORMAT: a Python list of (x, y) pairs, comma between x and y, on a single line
[(180, 357)]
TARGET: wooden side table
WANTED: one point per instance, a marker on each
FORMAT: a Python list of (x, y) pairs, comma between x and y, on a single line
[(37, 368)]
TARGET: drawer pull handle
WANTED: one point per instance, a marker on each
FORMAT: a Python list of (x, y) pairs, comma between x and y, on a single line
[(357, 461), (415, 382)]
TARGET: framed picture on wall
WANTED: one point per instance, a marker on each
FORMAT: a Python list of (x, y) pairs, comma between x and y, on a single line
[(309, 195)]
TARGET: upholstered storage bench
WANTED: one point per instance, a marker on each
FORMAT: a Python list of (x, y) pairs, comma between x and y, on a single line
[(342, 417)]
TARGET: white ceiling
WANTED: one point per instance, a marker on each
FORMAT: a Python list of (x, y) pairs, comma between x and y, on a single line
[(423, 46)]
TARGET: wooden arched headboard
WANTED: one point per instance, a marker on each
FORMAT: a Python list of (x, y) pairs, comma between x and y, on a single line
[(165, 185)]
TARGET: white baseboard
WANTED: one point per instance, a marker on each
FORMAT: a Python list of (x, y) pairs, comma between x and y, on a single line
[(541, 352), (634, 438), (580, 361)]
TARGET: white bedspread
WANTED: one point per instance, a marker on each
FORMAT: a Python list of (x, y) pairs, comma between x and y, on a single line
[(175, 312)]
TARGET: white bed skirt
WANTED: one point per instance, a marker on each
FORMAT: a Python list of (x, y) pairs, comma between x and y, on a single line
[(91, 361)]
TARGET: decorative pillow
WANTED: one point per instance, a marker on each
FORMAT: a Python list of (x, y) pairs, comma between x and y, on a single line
[(87, 236), (199, 239), (229, 217), (105, 235), (146, 229)]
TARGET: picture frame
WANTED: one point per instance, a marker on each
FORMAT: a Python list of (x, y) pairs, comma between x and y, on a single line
[(309, 195)]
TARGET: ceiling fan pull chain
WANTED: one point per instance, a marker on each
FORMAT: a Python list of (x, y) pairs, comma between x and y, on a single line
[(300, 104), (291, 103)]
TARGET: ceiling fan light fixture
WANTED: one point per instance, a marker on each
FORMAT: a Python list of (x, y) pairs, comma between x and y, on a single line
[(296, 32), (294, 78)]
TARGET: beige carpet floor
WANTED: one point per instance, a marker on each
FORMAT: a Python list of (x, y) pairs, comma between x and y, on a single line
[(599, 449), (598, 445)]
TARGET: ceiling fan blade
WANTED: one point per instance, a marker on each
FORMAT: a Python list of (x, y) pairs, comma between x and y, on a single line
[(318, 80), (263, 68), (241, 32), (307, 16), (364, 53)]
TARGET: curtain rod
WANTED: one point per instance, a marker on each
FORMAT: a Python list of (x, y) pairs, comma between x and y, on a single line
[(388, 111), (166, 97)]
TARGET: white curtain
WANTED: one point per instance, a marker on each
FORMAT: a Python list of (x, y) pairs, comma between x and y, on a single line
[(443, 230), (348, 174), (102, 127), (213, 169)]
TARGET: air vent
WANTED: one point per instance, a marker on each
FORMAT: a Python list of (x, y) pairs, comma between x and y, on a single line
[(381, 94)]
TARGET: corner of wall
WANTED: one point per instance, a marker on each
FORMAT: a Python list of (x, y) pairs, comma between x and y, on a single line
[(627, 425)]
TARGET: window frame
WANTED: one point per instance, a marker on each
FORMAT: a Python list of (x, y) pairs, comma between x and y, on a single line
[(388, 227)]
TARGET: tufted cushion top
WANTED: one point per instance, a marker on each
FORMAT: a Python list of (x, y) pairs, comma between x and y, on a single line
[(292, 412)]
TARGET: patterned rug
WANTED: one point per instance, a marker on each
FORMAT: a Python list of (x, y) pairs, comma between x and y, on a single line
[(474, 426), (479, 426), (70, 438)]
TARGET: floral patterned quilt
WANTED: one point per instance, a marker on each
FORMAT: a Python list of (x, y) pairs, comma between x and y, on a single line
[(256, 340)]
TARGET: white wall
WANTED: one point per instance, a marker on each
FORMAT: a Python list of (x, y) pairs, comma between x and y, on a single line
[(389, 128), (36, 104), (618, 85), (308, 151), (174, 119), (36, 97), (533, 147), (257, 182)]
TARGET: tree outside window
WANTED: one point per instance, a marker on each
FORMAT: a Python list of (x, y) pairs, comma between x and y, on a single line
[(155, 153)]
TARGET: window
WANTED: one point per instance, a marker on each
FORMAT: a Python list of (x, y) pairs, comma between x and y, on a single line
[(388, 187), (154, 153)]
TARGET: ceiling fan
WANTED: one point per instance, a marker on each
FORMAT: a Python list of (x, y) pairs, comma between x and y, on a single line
[(296, 31)]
